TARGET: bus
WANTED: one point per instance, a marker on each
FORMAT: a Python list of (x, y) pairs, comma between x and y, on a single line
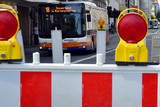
[(153, 24), (78, 22)]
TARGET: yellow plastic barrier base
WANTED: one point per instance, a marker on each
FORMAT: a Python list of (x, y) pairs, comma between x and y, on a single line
[(131, 52), (10, 51), (101, 27)]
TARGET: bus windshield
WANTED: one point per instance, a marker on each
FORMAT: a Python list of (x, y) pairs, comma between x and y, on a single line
[(154, 23), (72, 24)]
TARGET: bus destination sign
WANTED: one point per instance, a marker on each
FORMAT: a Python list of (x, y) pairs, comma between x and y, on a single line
[(60, 10)]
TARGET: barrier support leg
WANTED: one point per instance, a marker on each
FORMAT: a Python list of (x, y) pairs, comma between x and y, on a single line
[(67, 58), (99, 59), (36, 58), (20, 40)]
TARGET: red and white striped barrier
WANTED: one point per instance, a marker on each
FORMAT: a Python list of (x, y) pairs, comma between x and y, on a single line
[(77, 85)]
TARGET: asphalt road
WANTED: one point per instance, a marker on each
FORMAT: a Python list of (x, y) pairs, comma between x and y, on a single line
[(82, 57)]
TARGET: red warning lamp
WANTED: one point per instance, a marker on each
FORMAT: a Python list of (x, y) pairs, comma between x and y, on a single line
[(132, 28), (8, 25)]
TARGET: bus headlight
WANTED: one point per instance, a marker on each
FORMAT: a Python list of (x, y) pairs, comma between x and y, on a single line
[(40, 48)]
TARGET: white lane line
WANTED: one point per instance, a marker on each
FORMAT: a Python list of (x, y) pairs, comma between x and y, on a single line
[(156, 32), (84, 59)]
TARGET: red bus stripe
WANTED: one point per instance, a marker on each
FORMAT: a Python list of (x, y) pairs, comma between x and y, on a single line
[(35, 89), (149, 91), (97, 90)]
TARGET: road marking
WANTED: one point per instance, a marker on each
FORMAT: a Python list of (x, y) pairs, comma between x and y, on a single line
[(84, 59), (153, 34)]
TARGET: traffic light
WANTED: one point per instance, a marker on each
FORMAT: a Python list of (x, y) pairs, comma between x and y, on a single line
[(132, 28), (116, 13), (10, 49), (109, 8)]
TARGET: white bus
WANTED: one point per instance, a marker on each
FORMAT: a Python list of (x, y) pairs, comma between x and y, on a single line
[(77, 20), (153, 24)]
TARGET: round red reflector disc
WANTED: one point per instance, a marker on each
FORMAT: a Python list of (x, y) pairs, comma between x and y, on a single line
[(8, 25), (132, 28)]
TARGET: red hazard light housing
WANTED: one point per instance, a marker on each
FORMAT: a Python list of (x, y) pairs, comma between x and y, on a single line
[(132, 28), (8, 25)]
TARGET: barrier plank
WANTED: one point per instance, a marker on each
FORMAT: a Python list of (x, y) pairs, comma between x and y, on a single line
[(78, 89)]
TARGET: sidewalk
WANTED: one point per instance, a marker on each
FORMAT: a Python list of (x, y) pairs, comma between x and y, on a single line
[(111, 35)]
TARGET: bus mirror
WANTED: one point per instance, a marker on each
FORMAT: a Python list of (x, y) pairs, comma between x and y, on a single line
[(88, 18)]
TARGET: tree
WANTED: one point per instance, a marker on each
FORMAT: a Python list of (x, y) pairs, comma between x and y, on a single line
[(153, 16)]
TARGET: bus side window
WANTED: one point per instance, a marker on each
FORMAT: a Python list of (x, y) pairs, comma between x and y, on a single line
[(88, 18)]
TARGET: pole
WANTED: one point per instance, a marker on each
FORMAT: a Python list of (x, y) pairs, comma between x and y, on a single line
[(101, 44), (57, 50)]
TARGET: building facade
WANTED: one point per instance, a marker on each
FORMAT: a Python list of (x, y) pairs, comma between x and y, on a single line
[(23, 8)]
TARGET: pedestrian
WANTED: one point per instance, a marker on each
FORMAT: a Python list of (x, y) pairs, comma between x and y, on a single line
[(109, 28), (112, 28), (36, 40)]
